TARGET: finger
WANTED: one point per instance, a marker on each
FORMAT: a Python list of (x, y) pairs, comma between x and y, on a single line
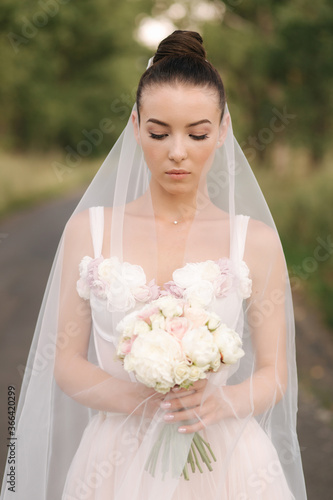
[(197, 426), (186, 414), (188, 401)]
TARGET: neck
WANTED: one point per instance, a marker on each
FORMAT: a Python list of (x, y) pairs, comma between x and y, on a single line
[(180, 207)]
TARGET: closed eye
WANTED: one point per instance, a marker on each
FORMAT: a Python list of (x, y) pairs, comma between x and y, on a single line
[(199, 137), (157, 136)]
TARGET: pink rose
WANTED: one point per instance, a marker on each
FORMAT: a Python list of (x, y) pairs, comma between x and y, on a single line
[(196, 315), (177, 326), (126, 346)]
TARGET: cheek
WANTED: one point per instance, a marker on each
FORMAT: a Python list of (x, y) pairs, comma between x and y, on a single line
[(205, 154)]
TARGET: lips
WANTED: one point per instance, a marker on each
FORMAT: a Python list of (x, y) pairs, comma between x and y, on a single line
[(176, 171), (177, 174)]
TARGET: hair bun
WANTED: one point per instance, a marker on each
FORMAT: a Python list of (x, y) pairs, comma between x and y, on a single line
[(181, 43)]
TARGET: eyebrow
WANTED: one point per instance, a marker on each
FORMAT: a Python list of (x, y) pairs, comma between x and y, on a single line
[(158, 122)]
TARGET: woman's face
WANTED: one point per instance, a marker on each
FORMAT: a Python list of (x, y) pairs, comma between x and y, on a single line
[(179, 132)]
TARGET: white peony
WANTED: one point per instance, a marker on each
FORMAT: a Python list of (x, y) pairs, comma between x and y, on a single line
[(152, 358), (229, 344), (200, 295), (141, 327), (245, 281), (210, 270), (127, 324), (216, 364), (199, 346)]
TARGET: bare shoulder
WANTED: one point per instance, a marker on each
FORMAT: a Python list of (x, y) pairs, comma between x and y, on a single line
[(261, 237), (79, 222), (263, 245)]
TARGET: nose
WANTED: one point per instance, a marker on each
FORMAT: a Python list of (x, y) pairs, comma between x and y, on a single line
[(177, 151)]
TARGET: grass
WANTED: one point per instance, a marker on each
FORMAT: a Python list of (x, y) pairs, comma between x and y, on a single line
[(29, 178), (300, 199)]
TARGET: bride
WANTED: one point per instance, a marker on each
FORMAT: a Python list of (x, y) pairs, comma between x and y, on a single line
[(174, 211)]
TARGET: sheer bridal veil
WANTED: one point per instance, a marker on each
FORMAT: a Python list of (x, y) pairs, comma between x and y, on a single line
[(51, 421)]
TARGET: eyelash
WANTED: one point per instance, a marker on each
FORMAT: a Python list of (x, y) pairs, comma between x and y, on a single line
[(195, 137)]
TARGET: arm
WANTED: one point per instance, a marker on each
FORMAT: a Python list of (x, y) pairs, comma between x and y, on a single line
[(76, 376), (266, 318)]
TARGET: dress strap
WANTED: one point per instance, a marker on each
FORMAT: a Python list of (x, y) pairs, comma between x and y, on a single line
[(96, 215), (241, 228)]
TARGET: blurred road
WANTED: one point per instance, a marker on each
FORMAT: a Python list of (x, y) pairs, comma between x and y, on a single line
[(28, 242)]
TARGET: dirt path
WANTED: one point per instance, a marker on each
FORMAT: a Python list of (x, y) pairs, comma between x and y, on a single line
[(27, 245)]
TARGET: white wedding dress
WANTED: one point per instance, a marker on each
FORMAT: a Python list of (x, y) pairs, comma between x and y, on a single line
[(105, 464)]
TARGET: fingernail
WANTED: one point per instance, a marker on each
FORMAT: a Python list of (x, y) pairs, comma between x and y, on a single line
[(182, 429), (176, 389), (169, 416), (165, 405)]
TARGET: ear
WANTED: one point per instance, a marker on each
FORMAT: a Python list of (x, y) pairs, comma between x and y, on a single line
[(223, 130), (136, 126)]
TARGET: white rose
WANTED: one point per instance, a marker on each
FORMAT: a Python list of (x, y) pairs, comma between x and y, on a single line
[(196, 315), (200, 295), (214, 321), (133, 275), (196, 373), (199, 346), (157, 321), (181, 372), (152, 358), (169, 305), (229, 344), (210, 270), (187, 276), (245, 281)]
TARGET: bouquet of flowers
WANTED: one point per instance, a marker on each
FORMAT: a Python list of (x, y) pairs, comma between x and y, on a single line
[(170, 343)]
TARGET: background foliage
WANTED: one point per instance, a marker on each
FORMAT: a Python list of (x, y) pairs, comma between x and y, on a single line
[(67, 65)]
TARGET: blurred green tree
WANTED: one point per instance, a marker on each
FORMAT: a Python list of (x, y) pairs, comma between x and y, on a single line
[(68, 65)]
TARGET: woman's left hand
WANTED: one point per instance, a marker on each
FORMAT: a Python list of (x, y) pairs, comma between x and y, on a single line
[(188, 404)]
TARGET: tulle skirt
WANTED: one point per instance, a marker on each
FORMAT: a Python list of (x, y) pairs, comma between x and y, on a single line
[(247, 466)]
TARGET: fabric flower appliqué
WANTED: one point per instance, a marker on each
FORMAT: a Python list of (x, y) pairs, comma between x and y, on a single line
[(200, 282), (124, 284), (120, 284)]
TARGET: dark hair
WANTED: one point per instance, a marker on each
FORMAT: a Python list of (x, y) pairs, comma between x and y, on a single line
[(181, 58)]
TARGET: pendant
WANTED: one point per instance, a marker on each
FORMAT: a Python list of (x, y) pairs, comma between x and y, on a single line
[(175, 221)]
